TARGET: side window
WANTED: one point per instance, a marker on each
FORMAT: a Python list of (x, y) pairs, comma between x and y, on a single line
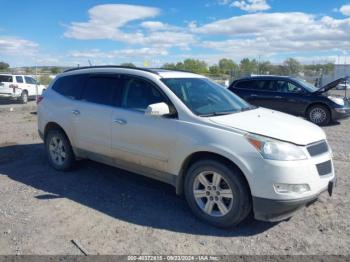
[(6, 78), (19, 79), (287, 87), (30, 80), (270, 86), (70, 86), (244, 85), (139, 94), (100, 90)]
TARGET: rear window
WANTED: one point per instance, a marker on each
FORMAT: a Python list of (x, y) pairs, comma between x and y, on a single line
[(6, 79), (70, 86)]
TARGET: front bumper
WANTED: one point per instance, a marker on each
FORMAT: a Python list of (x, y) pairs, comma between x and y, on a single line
[(340, 113), (273, 210)]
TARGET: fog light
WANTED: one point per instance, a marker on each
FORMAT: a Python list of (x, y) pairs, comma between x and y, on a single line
[(291, 188)]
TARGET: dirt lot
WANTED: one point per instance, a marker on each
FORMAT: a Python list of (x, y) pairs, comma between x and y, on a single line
[(110, 211)]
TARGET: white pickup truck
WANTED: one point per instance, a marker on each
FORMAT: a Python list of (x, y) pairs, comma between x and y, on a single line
[(19, 87)]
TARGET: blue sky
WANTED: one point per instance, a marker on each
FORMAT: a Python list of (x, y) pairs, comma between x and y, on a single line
[(112, 32)]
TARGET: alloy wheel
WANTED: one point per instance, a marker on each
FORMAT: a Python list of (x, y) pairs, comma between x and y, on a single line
[(212, 193), (57, 150), (318, 115)]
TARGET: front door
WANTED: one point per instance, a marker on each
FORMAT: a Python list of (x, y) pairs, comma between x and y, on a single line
[(138, 139)]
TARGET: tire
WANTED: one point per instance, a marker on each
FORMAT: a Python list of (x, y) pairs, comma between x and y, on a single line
[(237, 208), (24, 97), (59, 150), (319, 115)]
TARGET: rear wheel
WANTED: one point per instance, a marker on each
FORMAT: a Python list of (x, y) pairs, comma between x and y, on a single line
[(319, 115), (24, 97), (216, 193), (58, 150)]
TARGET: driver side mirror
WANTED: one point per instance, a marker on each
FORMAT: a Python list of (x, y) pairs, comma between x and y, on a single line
[(159, 109)]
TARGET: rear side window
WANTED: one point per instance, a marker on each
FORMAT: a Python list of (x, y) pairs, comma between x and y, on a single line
[(102, 90), (30, 80), (70, 86), (6, 79), (244, 85), (19, 79)]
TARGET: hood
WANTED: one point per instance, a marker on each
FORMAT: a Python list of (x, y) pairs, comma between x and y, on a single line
[(333, 84), (273, 124)]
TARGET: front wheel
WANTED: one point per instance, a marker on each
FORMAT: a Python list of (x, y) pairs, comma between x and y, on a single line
[(217, 194), (59, 150), (319, 115)]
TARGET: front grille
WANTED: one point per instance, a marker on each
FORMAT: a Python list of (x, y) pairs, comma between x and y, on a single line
[(318, 148), (324, 168)]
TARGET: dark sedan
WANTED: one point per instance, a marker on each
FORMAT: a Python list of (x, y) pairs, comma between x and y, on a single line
[(294, 96)]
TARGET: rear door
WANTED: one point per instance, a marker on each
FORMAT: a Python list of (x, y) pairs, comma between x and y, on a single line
[(30, 86), (92, 114)]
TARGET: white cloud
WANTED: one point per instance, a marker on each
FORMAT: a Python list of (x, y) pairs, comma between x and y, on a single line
[(271, 33), (247, 5), (108, 22), (122, 53), (251, 5), (10, 45), (345, 10)]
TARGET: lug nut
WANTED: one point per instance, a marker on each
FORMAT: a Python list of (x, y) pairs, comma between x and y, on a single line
[(214, 187), (211, 198), (207, 193), (218, 193), (209, 187), (216, 198)]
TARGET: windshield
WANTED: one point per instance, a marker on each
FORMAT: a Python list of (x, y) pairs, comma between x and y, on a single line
[(206, 98), (309, 87)]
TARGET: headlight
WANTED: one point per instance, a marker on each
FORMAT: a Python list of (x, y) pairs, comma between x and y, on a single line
[(275, 149), (337, 100)]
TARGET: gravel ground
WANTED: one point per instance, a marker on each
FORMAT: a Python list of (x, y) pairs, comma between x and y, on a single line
[(111, 211)]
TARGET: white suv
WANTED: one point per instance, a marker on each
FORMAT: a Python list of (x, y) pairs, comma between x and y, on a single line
[(19, 87), (227, 157)]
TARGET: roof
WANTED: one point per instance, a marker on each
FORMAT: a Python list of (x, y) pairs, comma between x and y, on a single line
[(265, 77), (162, 73)]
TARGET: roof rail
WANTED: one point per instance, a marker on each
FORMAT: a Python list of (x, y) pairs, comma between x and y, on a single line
[(174, 70), (111, 66)]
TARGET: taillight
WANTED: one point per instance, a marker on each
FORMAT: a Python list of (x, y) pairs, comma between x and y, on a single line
[(13, 87), (39, 99)]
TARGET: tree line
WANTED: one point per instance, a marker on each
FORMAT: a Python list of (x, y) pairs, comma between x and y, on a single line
[(225, 67)]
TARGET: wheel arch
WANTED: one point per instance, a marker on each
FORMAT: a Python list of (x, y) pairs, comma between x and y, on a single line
[(192, 158), (53, 125)]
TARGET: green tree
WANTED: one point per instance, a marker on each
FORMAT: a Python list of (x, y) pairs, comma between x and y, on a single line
[(195, 66), (248, 67), (214, 70), (45, 80), (170, 66), (4, 66), (128, 65), (293, 66), (227, 66), (55, 70)]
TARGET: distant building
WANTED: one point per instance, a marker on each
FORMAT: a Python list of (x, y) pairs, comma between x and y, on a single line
[(341, 70)]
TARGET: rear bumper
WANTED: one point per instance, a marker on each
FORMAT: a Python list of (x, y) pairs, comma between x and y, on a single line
[(9, 96), (277, 210)]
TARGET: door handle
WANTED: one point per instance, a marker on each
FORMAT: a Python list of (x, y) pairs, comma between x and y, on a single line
[(253, 95), (75, 112), (120, 121), (278, 97)]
